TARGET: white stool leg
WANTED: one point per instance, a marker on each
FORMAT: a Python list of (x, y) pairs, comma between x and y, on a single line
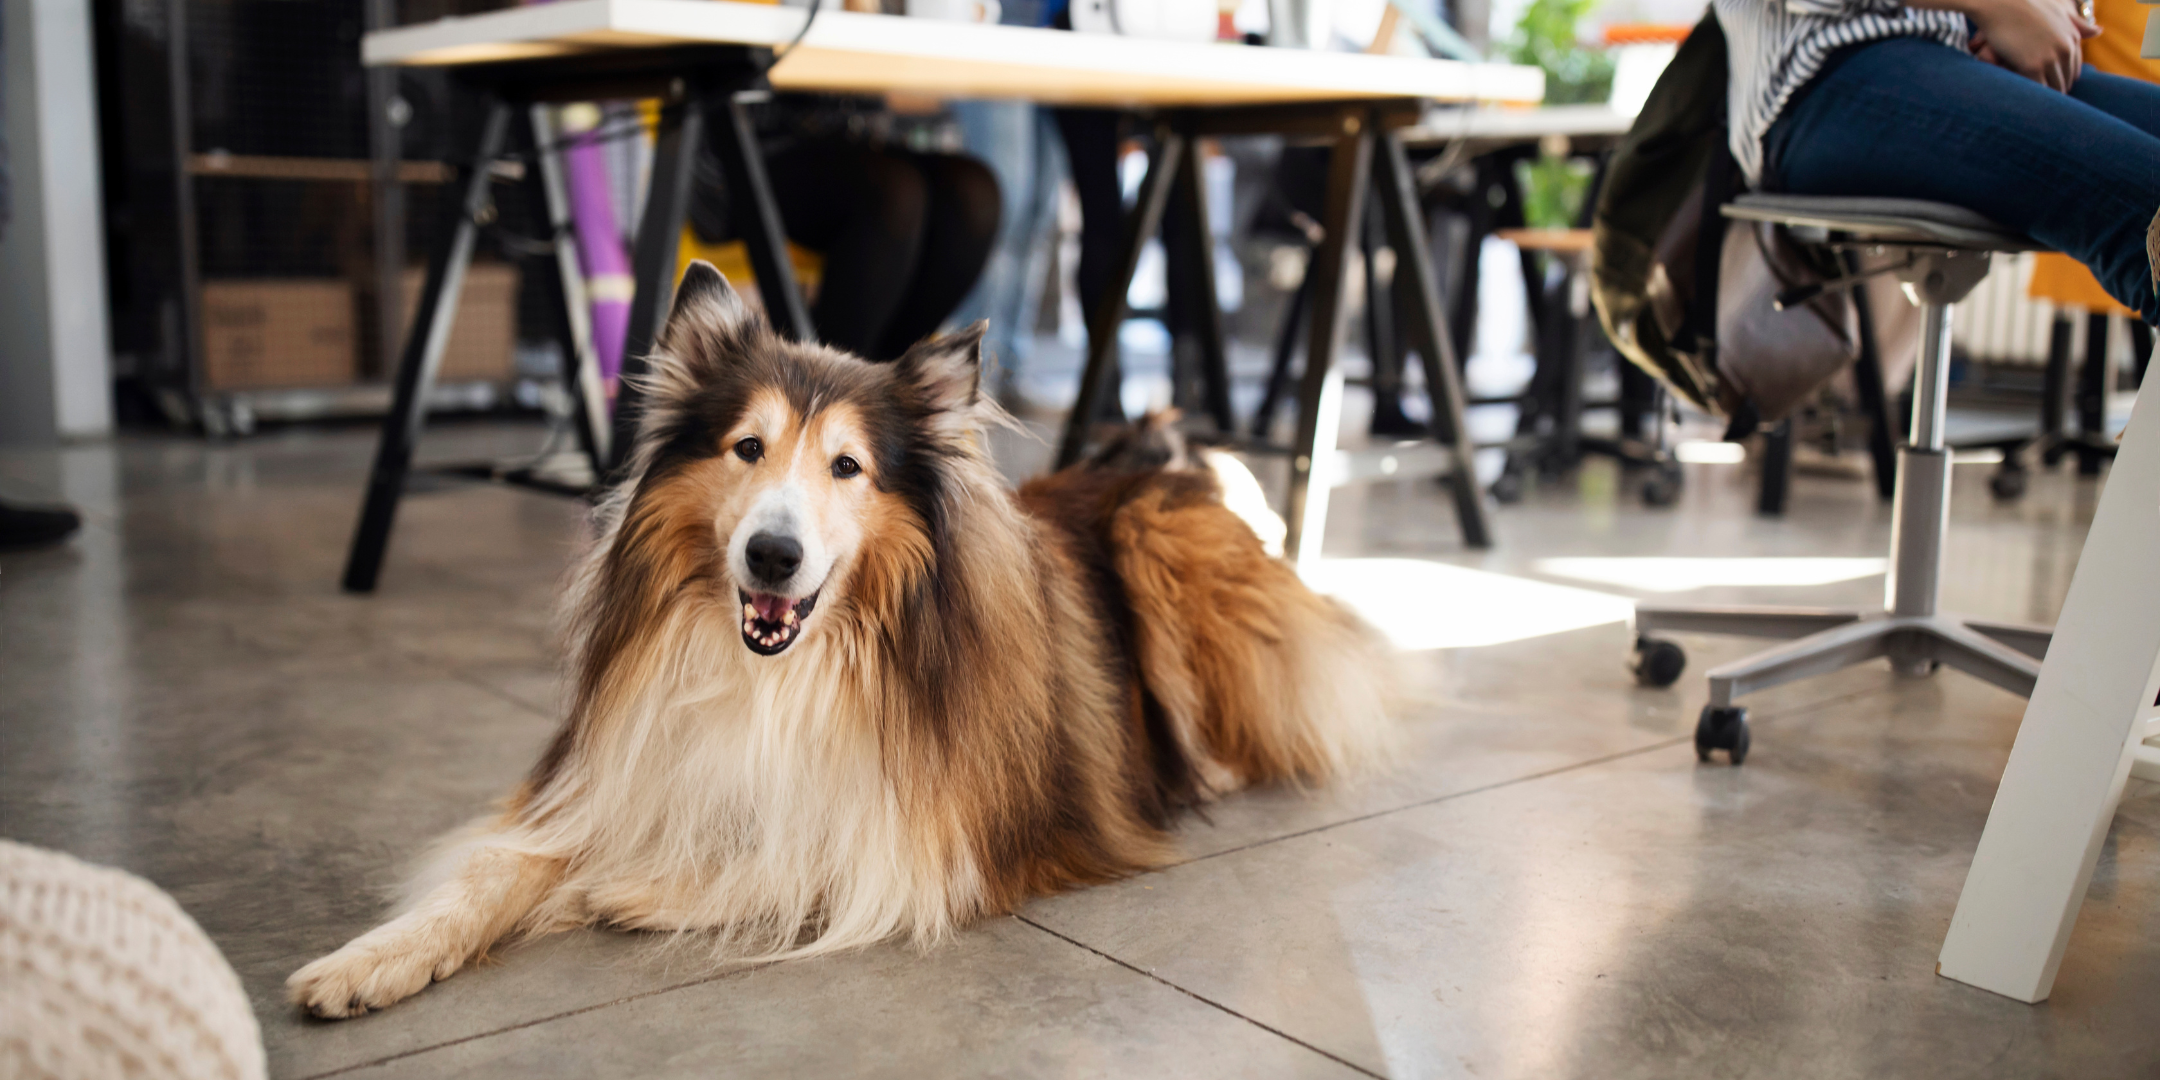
[(2087, 717)]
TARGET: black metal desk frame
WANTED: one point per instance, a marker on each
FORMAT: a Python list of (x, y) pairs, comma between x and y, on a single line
[(1562, 338), (702, 90), (1366, 155)]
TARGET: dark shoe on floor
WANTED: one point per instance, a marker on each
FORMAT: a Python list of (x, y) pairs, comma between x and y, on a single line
[(1388, 419), (33, 527)]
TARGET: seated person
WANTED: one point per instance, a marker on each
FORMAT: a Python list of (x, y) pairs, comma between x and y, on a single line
[(904, 233), (1984, 104)]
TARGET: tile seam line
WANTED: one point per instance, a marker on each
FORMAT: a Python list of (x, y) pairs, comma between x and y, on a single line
[(1498, 784), (466, 676), (534, 1022), (1204, 1000)]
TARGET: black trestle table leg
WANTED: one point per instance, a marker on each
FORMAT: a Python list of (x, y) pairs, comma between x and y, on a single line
[(1098, 378), (736, 143), (1349, 175), (422, 356), (1425, 320), (652, 261), (1202, 309)]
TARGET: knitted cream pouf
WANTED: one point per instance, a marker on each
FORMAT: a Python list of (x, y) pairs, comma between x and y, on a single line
[(102, 975)]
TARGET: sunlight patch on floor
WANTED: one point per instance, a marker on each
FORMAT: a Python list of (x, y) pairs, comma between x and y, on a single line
[(1429, 605), (1665, 575)]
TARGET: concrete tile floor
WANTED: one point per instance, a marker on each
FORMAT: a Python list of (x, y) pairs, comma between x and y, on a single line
[(1547, 885)]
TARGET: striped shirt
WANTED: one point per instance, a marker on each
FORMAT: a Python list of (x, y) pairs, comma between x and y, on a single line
[(1773, 47)]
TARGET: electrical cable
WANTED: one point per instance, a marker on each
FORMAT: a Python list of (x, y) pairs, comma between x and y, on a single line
[(805, 31)]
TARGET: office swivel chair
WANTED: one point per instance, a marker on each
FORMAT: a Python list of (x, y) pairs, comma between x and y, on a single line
[(1945, 252)]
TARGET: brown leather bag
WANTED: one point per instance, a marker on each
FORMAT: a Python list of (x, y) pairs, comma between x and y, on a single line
[(1716, 338), (1777, 359)]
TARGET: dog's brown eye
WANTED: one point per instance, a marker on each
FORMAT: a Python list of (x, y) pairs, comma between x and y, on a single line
[(750, 449), (845, 466)]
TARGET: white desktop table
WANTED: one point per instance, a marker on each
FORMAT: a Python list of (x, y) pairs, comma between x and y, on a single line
[(701, 57), (1483, 127), (848, 52)]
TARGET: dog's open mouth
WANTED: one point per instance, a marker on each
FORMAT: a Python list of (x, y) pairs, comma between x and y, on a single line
[(772, 623)]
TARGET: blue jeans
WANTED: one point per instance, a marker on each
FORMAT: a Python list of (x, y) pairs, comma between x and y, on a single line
[(1907, 118), (1019, 143)]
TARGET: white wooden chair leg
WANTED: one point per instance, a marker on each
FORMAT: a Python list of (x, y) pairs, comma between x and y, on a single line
[(2087, 721)]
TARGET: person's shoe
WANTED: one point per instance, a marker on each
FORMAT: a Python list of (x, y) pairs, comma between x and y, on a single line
[(34, 527), (1389, 419)]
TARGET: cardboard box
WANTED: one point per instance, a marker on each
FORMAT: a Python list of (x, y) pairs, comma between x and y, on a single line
[(277, 332), (483, 336)]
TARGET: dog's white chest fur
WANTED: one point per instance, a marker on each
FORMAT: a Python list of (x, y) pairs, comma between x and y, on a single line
[(751, 798)]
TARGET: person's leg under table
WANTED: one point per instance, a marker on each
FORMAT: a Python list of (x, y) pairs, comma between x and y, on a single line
[(863, 209), (1005, 135), (1091, 154), (961, 212), (1098, 396), (1908, 118), (1091, 138)]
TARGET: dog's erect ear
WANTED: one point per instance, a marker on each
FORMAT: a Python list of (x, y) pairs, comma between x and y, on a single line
[(704, 304), (948, 371)]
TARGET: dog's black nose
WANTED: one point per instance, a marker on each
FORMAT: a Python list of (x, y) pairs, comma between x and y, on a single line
[(773, 558)]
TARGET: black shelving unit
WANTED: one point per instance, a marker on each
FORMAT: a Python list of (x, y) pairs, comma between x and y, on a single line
[(242, 139)]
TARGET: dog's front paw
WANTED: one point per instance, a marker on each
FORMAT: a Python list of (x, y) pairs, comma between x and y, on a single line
[(372, 972)]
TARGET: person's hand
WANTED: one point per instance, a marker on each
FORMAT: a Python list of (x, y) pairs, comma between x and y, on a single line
[(2039, 39)]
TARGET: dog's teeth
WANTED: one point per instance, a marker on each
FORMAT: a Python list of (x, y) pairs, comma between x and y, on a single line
[(749, 611), (788, 617)]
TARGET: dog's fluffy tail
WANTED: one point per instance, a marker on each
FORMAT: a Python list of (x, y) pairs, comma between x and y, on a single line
[(1259, 678)]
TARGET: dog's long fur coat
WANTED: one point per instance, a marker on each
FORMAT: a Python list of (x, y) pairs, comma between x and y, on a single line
[(984, 697)]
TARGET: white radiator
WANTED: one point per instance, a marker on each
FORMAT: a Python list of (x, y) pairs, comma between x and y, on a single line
[(1999, 324)]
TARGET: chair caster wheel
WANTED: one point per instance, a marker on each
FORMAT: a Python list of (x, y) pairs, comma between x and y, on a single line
[(2008, 484), (1508, 488), (1658, 662), (1722, 729), (1663, 487)]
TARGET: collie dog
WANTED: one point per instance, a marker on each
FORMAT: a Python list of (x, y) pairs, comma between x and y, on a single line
[(834, 683)]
